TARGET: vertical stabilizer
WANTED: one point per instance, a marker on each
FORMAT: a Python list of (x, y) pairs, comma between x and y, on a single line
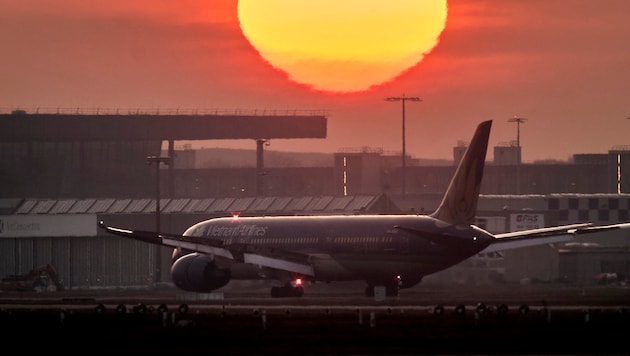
[(459, 205)]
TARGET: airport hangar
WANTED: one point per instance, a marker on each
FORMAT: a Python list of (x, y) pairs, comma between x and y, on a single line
[(62, 231)]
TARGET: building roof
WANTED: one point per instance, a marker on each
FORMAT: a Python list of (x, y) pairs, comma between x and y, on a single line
[(218, 206)]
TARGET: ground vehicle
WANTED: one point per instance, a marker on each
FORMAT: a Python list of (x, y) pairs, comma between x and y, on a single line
[(40, 279)]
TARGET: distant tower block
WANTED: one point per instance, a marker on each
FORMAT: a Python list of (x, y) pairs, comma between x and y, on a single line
[(458, 151), (506, 154)]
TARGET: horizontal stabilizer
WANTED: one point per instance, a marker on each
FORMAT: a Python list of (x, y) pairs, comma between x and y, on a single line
[(544, 231), (602, 229), (547, 235)]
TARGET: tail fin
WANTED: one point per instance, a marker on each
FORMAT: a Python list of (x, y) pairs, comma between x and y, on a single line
[(459, 205)]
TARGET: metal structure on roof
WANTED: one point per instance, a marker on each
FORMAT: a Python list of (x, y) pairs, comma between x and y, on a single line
[(102, 153), (36, 127), (216, 206)]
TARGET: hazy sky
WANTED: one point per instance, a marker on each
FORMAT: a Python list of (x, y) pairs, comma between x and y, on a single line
[(562, 64)]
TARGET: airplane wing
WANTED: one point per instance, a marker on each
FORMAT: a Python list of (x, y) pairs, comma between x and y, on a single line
[(192, 243), (244, 253), (547, 235)]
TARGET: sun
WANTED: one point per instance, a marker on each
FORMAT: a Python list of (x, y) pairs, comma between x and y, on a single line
[(342, 45)]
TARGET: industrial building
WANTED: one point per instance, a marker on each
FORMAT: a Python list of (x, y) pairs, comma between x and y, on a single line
[(68, 171)]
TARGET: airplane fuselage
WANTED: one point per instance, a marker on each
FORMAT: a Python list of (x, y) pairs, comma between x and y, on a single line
[(374, 248)]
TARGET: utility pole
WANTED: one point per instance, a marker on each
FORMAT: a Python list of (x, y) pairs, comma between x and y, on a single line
[(157, 160), (260, 167), (403, 98), (619, 176), (519, 121)]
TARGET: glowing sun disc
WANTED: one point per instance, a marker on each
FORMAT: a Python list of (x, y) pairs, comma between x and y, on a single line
[(342, 45)]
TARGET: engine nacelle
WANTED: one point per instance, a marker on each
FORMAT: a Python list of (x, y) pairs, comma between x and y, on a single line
[(178, 252), (198, 272)]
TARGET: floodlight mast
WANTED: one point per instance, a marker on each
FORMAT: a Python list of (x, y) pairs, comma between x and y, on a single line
[(403, 98), (518, 121), (157, 160)]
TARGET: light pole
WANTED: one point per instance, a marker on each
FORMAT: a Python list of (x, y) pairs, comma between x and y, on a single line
[(157, 160), (619, 176), (403, 98), (158, 260), (260, 167), (519, 121)]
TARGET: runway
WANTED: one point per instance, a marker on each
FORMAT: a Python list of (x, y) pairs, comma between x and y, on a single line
[(331, 321)]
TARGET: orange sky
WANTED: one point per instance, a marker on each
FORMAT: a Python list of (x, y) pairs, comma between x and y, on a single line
[(563, 64)]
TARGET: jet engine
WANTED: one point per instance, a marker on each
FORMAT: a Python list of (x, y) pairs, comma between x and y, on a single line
[(198, 272)]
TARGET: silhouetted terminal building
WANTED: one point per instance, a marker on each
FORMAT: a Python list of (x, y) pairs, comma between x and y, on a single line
[(104, 154), (64, 172)]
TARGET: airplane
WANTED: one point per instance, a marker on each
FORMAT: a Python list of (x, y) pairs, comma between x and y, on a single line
[(390, 251)]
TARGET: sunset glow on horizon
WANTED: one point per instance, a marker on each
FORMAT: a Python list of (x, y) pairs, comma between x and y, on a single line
[(342, 46), (562, 64)]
